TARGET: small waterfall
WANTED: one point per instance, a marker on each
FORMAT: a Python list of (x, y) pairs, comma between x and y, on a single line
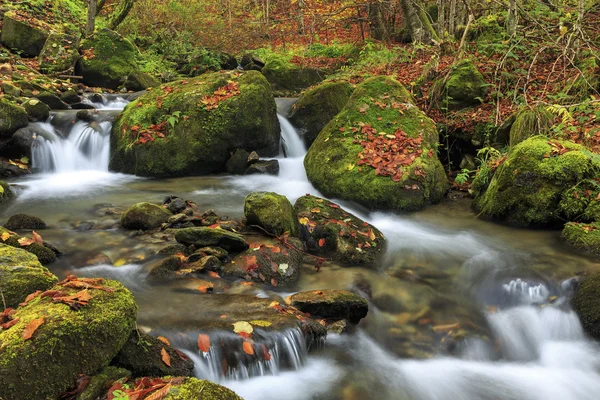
[(85, 147), (525, 292), (291, 143), (106, 102)]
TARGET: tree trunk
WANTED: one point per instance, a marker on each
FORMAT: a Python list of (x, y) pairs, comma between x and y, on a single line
[(512, 18), (91, 18), (441, 18), (421, 29), (301, 6), (376, 22), (122, 12), (452, 18)]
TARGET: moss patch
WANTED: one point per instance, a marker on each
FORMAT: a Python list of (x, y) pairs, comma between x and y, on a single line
[(530, 122), (144, 216), (587, 305), (465, 87), (271, 211), (582, 236), (12, 118)]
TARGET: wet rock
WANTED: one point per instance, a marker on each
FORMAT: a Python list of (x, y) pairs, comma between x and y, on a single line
[(270, 167), (331, 304), (175, 204), (85, 115), (89, 338), (24, 221), (272, 212), (21, 274), (178, 267), (173, 249), (208, 237), (176, 219), (99, 383), (20, 35), (71, 97), (44, 254), (203, 264), (331, 231), (137, 81), (338, 327), (82, 106), (141, 355), (37, 111), (268, 261), (6, 192), (218, 252), (249, 58), (52, 101), (9, 170), (144, 216), (98, 259), (12, 118), (253, 158), (238, 162), (586, 303), (11, 90)]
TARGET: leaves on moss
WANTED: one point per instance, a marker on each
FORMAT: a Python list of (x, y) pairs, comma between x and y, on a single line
[(32, 327)]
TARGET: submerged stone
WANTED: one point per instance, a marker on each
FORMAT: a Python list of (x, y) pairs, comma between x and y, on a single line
[(144, 216), (24, 221)]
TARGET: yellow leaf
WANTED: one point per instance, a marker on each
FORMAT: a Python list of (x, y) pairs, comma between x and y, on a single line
[(303, 220), (261, 323), (243, 327), (5, 236)]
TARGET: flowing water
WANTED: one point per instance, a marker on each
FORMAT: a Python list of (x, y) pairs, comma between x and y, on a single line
[(505, 291)]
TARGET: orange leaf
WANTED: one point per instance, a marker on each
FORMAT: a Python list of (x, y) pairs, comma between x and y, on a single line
[(213, 274), (37, 238), (25, 241), (164, 340), (248, 349), (321, 242), (165, 357), (5, 236), (32, 327), (161, 393), (203, 343), (316, 210)]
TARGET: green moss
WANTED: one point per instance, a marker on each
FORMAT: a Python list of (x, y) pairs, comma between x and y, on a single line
[(207, 237), (44, 254), (201, 141), (36, 110), (580, 203), (527, 188), (317, 106), (271, 211), (331, 161), (68, 342), (193, 389), (99, 383), (465, 87), (6, 192), (12, 118), (287, 78), (586, 303), (28, 38), (60, 53), (530, 122), (144, 216), (584, 237)]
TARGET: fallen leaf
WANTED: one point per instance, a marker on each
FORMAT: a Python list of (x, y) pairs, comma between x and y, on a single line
[(321, 242), (302, 220), (37, 238), (5, 236), (248, 349), (32, 327), (164, 340), (265, 353), (243, 327), (165, 357), (204, 343), (25, 241)]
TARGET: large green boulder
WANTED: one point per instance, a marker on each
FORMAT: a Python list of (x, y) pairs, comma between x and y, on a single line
[(108, 59), (144, 216), (287, 78), (23, 34), (379, 151), (586, 303), (272, 212), (337, 234), (12, 118), (464, 87), (528, 186), (21, 274), (317, 106), (173, 388), (208, 237), (60, 53), (191, 127), (80, 338)]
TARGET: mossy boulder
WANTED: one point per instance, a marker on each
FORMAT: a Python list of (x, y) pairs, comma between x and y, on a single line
[(12, 118), (331, 304), (208, 237), (138, 80), (379, 151), (108, 59), (144, 216), (141, 355), (268, 261), (23, 34), (21, 274), (317, 106), (99, 383), (210, 116), (272, 212), (67, 343), (37, 111), (173, 267), (530, 122), (287, 78), (465, 87), (333, 232), (586, 303), (194, 388), (527, 188), (24, 221), (582, 236), (6, 192), (60, 53), (44, 252)]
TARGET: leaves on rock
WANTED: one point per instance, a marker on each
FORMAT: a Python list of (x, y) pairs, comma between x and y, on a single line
[(165, 356), (164, 340), (210, 102)]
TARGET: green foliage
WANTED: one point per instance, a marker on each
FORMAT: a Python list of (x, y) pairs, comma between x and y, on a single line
[(531, 122), (463, 176)]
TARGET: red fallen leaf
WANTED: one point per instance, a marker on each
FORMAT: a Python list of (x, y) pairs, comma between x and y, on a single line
[(213, 274), (274, 282), (164, 340), (214, 226), (342, 129), (275, 249), (32, 327), (165, 357), (204, 343), (160, 393), (321, 242), (10, 323), (248, 349), (265, 353), (334, 206), (30, 297)]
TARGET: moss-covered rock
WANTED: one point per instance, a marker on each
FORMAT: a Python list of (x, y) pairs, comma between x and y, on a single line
[(331, 304), (380, 116), (6, 192), (207, 237), (580, 204), (60, 53), (287, 78), (174, 267), (24, 35), (465, 87), (37, 111), (12, 118), (144, 216), (204, 129), (108, 59), (67, 343), (44, 253), (21, 274), (99, 383), (335, 233), (317, 106), (141, 355), (527, 188), (582, 236), (24, 221), (530, 122), (272, 212), (586, 303), (138, 80), (193, 389)]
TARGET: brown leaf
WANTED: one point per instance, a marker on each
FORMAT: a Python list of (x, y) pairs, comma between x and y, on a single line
[(160, 393), (265, 353), (32, 327), (37, 238), (164, 340), (165, 356), (25, 241), (204, 343)]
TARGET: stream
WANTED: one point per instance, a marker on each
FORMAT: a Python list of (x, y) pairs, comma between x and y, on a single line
[(509, 283)]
